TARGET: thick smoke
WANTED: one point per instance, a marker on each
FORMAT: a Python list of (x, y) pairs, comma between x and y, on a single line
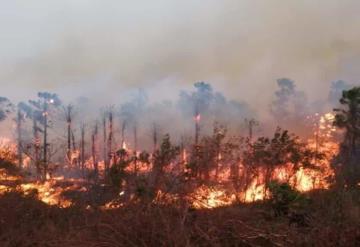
[(96, 55), (101, 50)]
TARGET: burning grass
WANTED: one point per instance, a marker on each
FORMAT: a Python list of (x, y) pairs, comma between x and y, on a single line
[(30, 222), (211, 197)]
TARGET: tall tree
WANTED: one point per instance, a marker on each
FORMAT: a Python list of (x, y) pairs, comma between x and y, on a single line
[(5, 107), (41, 111), (336, 90), (289, 106), (68, 116), (19, 120), (348, 118)]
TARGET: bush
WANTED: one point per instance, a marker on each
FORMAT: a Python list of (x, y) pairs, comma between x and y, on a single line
[(285, 199), (117, 174)]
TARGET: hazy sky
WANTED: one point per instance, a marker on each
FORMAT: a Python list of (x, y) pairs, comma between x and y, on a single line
[(240, 46)]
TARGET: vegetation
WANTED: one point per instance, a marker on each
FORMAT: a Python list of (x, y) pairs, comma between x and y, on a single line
[(218, 188), (347, 164)]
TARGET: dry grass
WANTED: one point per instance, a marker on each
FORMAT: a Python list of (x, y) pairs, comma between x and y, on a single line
[(27, 222)]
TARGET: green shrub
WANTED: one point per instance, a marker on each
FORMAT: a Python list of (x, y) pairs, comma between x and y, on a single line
[(285, 198)]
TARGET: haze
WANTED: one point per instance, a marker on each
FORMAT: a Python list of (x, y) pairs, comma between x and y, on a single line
[(102, 49)]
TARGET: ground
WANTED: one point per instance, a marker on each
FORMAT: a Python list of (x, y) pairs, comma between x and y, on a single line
[(333, 220)]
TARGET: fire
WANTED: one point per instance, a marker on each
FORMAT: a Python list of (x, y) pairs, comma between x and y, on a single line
[(48, 192), (207, 197), (304, 179), (204, 196), (7, 149), (255, 192), (197, 118), (124, 146)]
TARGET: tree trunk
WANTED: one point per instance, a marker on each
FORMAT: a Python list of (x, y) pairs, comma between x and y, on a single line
[(19, 138), (68, 121), (82, 158), (155, 138), (93, 151), (135, 149), (110, 140), (105, 153), (36, 148), (45, 161)]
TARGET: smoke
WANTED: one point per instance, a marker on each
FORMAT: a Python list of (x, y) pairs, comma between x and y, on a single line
[(241, 47), (99, 54)]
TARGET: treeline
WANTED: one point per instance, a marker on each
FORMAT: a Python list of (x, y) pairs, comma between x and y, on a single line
[(94, 146)]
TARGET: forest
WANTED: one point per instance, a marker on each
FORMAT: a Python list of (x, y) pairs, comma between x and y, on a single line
[(199, 170)]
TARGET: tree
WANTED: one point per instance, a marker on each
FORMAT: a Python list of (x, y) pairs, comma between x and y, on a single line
[(289, 104), (19, 120), (131, 113), (94, 140), (42, 109), (162, 158), (68, 116), (336, 91), (196, 103), (39, 111), (5, 108), (348, 118), (280, 150)]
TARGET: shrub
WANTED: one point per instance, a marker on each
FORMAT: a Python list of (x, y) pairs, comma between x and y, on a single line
[(284, 198)]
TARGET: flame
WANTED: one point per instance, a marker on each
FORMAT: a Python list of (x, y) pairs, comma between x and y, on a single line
[(204, 196), (207, 197), (124, 146), (48, 192), (197, 118)]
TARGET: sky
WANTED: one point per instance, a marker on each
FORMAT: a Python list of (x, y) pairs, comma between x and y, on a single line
[(103, 49)]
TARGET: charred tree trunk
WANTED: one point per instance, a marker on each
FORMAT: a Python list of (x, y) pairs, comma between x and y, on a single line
[(74, 151), (36, 147), (105, 154), (45, 148), (196, 146), (135, 149), (82, 143), (19, 138), (123, 128), (73, 141), (217, 158), (155, 138), (197, 128), (110, 140), (68, 121), (93, 151)]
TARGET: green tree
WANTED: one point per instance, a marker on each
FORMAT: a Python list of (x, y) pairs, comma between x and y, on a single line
[(348, 118), (282, 149), (163, 157)]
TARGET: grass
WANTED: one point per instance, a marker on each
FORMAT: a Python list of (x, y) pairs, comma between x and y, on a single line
[(25, 221)]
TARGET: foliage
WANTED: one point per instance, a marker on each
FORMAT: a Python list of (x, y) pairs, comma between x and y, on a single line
[(163, 157), (347, 163), (117, 173), (284, 198), (5, 107), (205, 156), (282, 149)]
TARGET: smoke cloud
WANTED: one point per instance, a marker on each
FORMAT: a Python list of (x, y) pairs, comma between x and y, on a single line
[(101, 49)]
